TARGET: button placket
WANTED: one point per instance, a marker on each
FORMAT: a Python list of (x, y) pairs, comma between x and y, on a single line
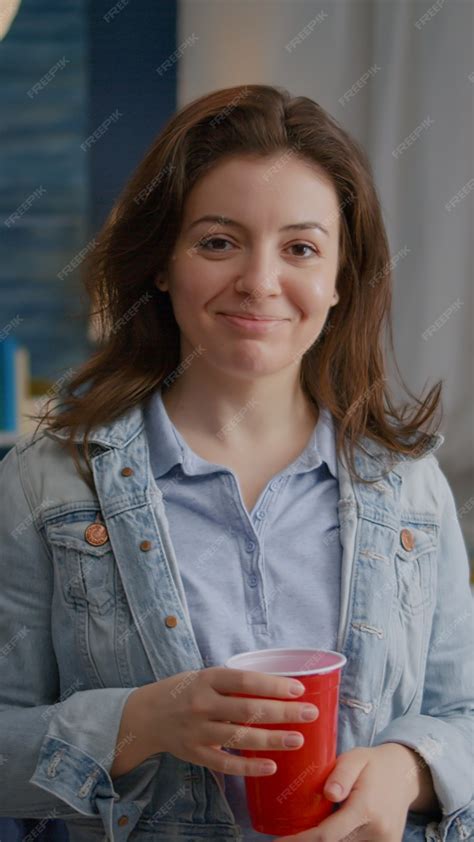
[(261, 513), (254, 581), (252, 577), (254, 601), (255, 597)]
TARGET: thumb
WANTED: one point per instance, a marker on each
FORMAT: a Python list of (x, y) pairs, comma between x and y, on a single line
[(345, 773)]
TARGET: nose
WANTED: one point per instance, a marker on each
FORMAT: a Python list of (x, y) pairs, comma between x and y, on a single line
[(259, 278)]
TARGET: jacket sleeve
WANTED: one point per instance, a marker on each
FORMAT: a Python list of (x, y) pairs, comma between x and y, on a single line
[(56, 752), (443, 732)]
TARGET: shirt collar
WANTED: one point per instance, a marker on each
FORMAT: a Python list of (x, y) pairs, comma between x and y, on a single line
[(321, 446), (163, 443), (168, 448)]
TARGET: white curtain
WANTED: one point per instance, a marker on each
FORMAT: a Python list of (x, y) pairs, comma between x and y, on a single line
[(398, 75)]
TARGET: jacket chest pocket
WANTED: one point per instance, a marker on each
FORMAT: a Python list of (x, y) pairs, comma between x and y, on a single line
[(86, 572), (415, 559), (100, 629)]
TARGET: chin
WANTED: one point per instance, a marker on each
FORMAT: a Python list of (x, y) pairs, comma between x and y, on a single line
[(246, 368)]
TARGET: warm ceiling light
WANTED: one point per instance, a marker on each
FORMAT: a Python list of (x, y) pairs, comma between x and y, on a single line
[(8, 10)]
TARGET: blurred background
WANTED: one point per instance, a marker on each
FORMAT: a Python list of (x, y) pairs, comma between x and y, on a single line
[(85, 88)]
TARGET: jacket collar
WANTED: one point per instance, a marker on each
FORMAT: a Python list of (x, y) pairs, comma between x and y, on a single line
[(372, 459)]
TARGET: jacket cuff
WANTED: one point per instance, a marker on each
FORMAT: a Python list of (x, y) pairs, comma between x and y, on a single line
[(77, 754), (446, 752), (458, 827)]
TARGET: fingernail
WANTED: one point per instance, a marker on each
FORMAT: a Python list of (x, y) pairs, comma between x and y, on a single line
[(296, 688), (268, 767), (292, 740), (334, 789), (309, 712)]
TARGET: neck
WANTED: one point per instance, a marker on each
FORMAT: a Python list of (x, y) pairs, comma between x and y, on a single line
[(240, 411)]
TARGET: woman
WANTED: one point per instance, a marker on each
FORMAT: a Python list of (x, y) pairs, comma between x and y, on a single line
[(228, 472)]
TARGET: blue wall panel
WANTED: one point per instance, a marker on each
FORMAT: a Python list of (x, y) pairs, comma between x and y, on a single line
[(124, 55), (41, 160), (100, 64)]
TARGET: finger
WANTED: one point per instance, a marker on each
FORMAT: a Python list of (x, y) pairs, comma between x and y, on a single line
[(304, 836), (348, 768), (238, 737), (352, 819), (251, 682), (259, 711), (348, 821), (231, 764)]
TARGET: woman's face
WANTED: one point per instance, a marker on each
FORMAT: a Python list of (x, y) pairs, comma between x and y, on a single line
[(255, 264)]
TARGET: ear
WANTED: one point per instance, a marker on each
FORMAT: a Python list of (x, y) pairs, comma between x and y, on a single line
[(335, 298), (160, 282)]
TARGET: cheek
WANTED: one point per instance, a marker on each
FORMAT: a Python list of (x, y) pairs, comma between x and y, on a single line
[(195, 282), (188, 293), (314, 297)]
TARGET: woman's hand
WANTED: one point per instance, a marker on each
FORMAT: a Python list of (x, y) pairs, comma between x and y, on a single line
[(194, 716), (379, 785)]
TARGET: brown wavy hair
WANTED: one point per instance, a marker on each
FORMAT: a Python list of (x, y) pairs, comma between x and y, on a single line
[(138, 333)]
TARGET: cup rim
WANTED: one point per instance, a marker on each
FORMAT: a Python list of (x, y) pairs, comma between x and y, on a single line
[(321, 671)]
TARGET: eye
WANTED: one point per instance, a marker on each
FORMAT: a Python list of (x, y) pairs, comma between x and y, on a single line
[(204, 242), (305, 246)]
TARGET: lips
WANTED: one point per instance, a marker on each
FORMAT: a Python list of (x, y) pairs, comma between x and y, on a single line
[(252, 316), (252, 326)]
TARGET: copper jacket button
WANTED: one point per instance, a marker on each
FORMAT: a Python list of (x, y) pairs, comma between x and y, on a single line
[(145, 546), (126, 472), (96, 534), (122, 821), (407, 538), (171, 621)]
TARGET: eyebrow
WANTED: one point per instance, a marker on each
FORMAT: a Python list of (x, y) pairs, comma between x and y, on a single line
[(224, 220)]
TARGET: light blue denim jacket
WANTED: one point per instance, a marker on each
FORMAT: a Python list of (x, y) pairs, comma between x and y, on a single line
[(74, 641)]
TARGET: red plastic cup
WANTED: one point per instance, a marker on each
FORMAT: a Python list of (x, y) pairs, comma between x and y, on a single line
[(291, 800)]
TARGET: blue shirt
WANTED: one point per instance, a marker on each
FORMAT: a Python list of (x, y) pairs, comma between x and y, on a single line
[(265, 579)]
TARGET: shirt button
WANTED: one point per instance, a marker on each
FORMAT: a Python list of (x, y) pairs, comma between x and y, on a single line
[(171, 621), (250, 546), (408, 539), (126, 472), (252, 580), (274, 485), (145, 546), (260, 515), (122, 821)]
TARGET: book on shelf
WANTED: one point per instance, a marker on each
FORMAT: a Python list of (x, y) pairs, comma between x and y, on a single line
[(15, 398)]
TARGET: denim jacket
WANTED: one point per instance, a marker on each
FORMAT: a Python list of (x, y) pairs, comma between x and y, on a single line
[(83, 624)]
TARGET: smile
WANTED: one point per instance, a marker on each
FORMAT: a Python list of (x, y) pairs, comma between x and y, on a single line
[(252, 325)]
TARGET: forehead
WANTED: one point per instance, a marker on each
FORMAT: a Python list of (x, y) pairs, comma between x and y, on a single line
[(283, 187)]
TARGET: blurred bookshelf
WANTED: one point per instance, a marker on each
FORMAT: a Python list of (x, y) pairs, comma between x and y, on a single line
[(20, 395)]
